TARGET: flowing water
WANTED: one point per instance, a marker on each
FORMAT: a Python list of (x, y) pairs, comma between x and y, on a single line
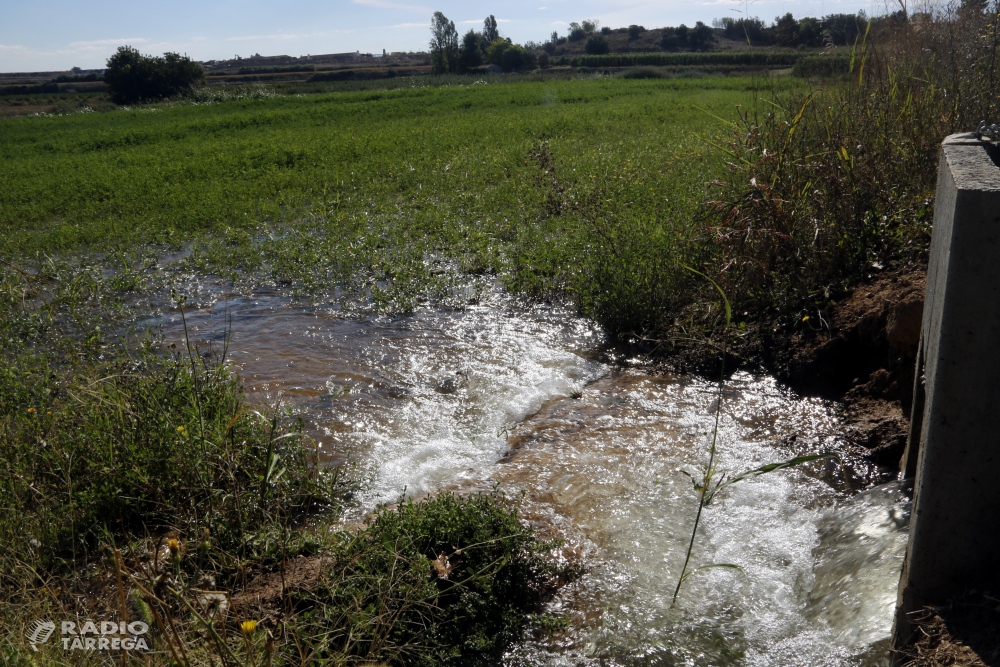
[(532, 400)]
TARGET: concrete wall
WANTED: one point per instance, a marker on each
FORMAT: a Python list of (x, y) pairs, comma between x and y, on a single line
[(954, 446)]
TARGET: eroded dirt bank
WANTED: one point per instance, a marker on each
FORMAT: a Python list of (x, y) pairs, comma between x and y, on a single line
[(859, 351)]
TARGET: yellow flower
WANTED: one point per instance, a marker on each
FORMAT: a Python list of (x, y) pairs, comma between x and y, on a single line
[(32, 411), (181, 429), (805, 318), (174, 546), (248, 626)]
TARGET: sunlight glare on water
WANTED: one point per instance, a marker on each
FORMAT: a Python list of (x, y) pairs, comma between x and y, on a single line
[(496, 394)]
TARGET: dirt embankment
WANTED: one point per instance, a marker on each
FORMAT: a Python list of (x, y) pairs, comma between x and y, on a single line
[(861, 352)]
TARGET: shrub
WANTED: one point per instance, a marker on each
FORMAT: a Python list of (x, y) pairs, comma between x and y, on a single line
[(643, 73), (133, 77), (448, 581)]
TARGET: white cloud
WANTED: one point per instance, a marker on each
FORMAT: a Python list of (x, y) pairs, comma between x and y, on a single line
[(109, 42), (383, 4), (11, 47), (410, 25), (541, 8)]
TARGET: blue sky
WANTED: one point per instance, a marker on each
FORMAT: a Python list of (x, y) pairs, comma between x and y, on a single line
[(59, 34)]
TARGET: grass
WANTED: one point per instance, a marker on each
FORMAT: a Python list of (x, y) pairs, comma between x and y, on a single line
[(358, 190), (387, 195), (380, 198)]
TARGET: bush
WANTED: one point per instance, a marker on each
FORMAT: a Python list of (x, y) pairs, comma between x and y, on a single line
[(133, 77), (643, 73), (596, 45), (448, 581)]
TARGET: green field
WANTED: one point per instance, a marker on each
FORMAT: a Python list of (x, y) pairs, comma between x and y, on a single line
[(379, 181)]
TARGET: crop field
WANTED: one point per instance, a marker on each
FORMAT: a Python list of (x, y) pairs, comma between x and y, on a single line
[(544, 182)]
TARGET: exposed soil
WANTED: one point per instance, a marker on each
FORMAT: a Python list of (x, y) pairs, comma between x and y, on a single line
[(863, 355), (268, 595), (963, 633)]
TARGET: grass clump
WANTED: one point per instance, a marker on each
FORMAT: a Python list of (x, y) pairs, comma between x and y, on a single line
[(447, 581), (141, 447)]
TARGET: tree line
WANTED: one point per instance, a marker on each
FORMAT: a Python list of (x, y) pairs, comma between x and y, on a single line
[(787, 31), (449, 54)]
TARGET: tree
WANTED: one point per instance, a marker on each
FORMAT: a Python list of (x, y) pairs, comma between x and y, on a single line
[(472, 52), (700, 36), (596, 45), (786, 30), (634, 31), (682, 33), (490, 31), (444, 44), (510, 56), (810, 32), (133, 77)]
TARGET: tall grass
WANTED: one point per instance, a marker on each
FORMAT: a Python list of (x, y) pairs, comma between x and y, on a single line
[(822, 185)]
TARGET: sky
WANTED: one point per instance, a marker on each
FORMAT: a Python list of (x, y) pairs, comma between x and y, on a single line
[(55, 35)]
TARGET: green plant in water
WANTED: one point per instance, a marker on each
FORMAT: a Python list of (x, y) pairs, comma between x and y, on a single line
[(711, 480)]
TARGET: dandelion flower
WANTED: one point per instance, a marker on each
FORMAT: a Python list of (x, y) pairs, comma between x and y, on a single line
[(174, 546), (32, 411), (248, 626), (181, 429)]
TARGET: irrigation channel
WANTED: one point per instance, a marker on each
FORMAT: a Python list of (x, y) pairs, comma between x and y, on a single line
[(533, 400)]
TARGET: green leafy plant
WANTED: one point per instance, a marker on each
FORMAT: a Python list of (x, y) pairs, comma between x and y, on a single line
[(712, 480)]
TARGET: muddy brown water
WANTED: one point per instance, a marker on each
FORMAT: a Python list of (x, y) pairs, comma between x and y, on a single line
[(532, 400)]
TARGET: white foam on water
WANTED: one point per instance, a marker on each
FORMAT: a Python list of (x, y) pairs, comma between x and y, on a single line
[(427, 401)]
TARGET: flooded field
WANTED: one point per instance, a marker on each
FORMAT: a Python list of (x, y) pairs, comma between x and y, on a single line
[(533, 401)]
